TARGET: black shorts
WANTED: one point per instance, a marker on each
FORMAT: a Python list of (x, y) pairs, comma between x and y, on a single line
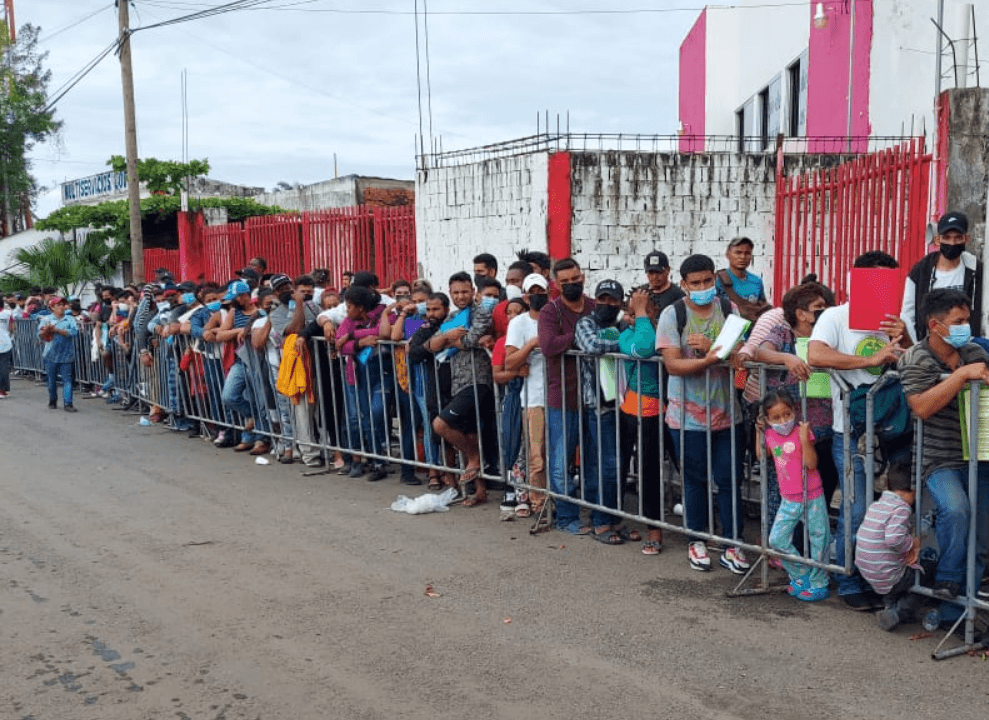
[(462, 412)]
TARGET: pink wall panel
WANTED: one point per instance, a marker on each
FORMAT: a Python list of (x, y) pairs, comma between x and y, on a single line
[(827, 64), (693, 66)]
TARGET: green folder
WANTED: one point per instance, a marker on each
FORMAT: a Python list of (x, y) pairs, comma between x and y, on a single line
[(819, 383), (964, 413), (608, 374)]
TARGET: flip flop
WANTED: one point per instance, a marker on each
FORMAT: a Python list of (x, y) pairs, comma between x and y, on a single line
[(652, 547), (474, 501), (629, 535), (608, 537), (522, 510), (575, 528), (435, 484)]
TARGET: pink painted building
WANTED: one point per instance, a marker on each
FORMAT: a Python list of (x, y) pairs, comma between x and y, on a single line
[(835, 69)]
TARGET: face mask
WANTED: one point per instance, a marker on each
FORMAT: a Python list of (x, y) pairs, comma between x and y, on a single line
[(478, 279), (421, 309), (285, 297), (538, 302), (784, 429), (214, 306), (291, 304), (958, 335), (817, 314), (572, 291), (952, 252), (308, 297), (606, 314), (513, 292), (188, 298), (164, 305), (703, 297), (488, 303)]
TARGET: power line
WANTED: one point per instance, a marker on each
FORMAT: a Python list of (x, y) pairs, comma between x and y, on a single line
[(211, 11), (75, 79), (75, 23)]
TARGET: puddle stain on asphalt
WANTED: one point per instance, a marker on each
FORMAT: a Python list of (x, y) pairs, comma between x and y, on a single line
[(106, 653)]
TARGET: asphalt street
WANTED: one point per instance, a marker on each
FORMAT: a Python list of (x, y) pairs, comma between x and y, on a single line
[(147, 575)]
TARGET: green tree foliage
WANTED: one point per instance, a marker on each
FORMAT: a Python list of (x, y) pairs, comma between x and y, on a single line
[(25, 120), (163, 177), (65, 265)]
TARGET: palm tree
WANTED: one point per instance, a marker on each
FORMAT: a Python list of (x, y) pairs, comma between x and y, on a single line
[(66, 265)]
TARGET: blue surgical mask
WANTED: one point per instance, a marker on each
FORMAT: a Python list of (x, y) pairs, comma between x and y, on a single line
[(188, 298), (291, 304), (703, 297), (784, 429), (421, 309), (488, 303), (214, 306), (958, 335)]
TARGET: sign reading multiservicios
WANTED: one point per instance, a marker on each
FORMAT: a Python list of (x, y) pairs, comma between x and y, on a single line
[(95, 186)]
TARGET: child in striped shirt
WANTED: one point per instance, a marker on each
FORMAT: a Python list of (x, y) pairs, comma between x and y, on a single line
[(885, 548)]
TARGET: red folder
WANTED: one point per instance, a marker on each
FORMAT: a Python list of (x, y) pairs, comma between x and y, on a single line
[(872, 294)]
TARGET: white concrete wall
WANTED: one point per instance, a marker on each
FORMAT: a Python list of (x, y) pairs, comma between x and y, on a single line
[(746, 48), (903, 63), (496, 206), (626, 205)]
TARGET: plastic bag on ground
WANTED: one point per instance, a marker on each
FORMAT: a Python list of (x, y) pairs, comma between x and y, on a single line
[(427, 503)]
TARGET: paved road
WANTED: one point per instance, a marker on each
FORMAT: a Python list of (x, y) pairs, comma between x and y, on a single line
[(146, 575)]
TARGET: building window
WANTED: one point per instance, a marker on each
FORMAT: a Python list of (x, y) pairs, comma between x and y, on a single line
[(793, 100), (740, 128)]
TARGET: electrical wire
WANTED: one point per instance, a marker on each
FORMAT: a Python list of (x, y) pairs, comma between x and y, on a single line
[(212, 11), (75, 23), (75, 79)]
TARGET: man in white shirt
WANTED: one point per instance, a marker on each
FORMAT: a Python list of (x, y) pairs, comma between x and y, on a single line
[(859, 357), (7, 314), (951, 268), (521, 348)]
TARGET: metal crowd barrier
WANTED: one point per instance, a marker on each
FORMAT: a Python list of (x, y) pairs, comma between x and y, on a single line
[(376, 419)]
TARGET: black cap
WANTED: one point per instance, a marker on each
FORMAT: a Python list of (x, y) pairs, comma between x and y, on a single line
[(612, 288), (277, 280), (657, 260), (249, 273), (952, 220), (187, 286)]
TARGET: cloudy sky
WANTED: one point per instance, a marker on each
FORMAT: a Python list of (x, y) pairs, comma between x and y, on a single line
[(275, 91)]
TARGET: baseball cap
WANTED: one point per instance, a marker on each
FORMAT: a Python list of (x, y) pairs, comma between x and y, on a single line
[(235, 288), (534, 280), (657, 260), (952, 220), (612, 288), (187, 286), (740, 240), (55, 300), (276, 281), (249, 273), (169, 289)]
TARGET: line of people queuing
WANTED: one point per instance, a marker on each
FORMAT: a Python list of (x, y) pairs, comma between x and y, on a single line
[(520, 376)]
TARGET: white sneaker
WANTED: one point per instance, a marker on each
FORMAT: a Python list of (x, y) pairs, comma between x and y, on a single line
[(734, 559), (699, 559)]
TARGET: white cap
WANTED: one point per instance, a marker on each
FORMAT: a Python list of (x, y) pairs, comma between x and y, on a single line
[(534, 279)]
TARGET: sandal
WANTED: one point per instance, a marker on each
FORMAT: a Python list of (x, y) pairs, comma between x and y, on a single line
[(474, 501), (652, 547), (469, 475), (608, 537), (629, 535), (576, 528), (435, 483), (522, 510)]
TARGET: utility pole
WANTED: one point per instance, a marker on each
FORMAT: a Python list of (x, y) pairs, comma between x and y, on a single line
[(130, 142)]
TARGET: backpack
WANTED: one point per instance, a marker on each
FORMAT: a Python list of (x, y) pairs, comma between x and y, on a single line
[(746, 308), (680, 308), (890, 414)]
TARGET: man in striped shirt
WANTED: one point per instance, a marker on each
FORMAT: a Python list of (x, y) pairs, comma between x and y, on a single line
[(885, 548), (947, 352)]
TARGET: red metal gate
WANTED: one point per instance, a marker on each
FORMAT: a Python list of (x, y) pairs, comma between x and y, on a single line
[(395, 243), (155, 258), (339, 240), (278, 239), (223, 251), (826, 218)]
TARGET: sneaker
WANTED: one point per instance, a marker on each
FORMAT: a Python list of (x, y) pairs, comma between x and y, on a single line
[(52, 404), (813, 594), (356, 470), (888, 618), (411, 480), (3, 395), (70, 408), (733, 559), (858, 601), (378, 472), (345, 469), (797, 585), (699, 559)]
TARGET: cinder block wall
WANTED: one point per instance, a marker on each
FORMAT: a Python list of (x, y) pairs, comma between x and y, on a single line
[(626, 204), (496, 206)]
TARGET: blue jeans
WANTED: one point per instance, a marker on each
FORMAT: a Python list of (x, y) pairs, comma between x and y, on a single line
[(236, 396), (561, 446), (695, 478), (371, 398), (849, 584), (949, 490), (213, 372), (52, 371)]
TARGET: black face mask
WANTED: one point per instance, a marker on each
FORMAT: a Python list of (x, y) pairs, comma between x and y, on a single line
[(817, 315), (572, 291), (538, 302), (606, 314), (478, 279), (285, 297), (308, 297), (952, 252)]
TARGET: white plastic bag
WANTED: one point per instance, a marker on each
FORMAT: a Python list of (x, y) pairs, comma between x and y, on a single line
[(425, 503)]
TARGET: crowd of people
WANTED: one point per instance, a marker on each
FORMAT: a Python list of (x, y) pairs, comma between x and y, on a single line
[(538, 382)]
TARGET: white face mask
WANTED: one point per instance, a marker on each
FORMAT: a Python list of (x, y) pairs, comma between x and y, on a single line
[(784, 429), (513, 292)]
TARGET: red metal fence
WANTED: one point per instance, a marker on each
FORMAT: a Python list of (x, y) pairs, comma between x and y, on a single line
[(155, 258), (826, 218), (352, 238)]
